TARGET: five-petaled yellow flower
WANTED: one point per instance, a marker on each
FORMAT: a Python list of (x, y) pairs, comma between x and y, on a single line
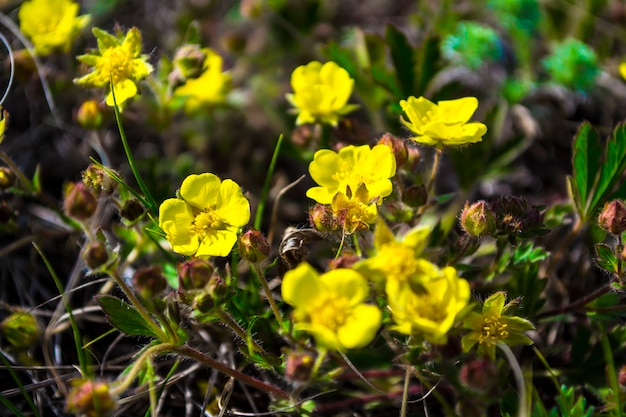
[(206, 218), (321, 93), (331, 306), (209, 88), (444, 123), (493, 325), (352, 166), (51, 24), (118, 65)]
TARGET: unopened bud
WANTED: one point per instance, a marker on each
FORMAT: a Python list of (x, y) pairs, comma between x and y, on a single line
[(149, 282), (398, 147), (299, 366), (613, 217), (91, 398), (188, 63), (79, 202), (89, 115), (7, 178), (413, 159), (322, 219), (98, 180), (132, 210), (194, 274), (415, 196), (203, 303), (478, 219), (253, 246), (96, 255), (20, 329)]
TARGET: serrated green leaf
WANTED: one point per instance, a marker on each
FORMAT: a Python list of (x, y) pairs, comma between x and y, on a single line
[(403, 58), (586, 155), (611, 170), (606, 258), (124, 317)]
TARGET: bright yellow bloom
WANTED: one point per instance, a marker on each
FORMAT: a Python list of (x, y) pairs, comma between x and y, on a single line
[(622, 70), (352, 166), (354, 210), (210, 88), (331, 306), (430, 307), (444, 123), (492, 325), (51, 24), (206, 218), (118, 65), (320, 93)]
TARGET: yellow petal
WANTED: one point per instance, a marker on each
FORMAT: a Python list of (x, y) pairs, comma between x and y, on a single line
[(201, 191), (360, 327), (457, 111), (176, 219), (217, 243), (232, 205), (124, 90), (347, 283), (301, 286)]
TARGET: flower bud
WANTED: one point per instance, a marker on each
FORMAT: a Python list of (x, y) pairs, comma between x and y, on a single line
[(89, 115), (79, 202), (132, 210), (251, 9), (613, 217), (20, 329), (203, 303), (322, 219), (299, 366), (621, 376), (346, 260), (188, 62), (415, 196), (91, 398), (194, 274), (98, 180), (479, 376), (397, 145), (302, 136), (413, 158), (149, 282), (95, 255), (253, 246), (478, 219), (7, 178)]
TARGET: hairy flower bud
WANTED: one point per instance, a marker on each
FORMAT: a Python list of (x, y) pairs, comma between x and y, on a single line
[(415, 196), (20, 329), (299, 366), (7, 178), (188, 62), (397, 145), (95, 255), (89, 115), (91, 398), (149, 282), (253, 246), (194, 274), (80, 202), (322, 219), (612, 218), (132, 210), (478, 219), (98, 180)]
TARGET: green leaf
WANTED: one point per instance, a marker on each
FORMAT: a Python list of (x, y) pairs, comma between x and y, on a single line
[(606, 258), (587, 152), (403, 58), (427, 59), (612, 168), (124, 317), (527, 253)]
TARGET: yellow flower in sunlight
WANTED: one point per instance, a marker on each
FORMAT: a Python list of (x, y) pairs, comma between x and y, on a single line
[(321, 93), (492, 325), (51, 24), (331, 306), (444, 123), (622, 70), (117, 65), (352, 166), (354, 210), (209, 88), (206, 218), (429, 309)]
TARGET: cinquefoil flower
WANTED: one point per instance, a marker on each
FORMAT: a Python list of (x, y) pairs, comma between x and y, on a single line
[(354, 210), (210, 88), (321, 93), (352, 166), (117, 65), (331, 306), (206, 218), (430, 308), (51, 24), (492, 325), (444, 123)]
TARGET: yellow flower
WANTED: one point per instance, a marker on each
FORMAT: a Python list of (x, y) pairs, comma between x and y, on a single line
[(51, 24), (622, 70), (492, 325), (331, 306), (444, 123), (206, 218), (117, 66), (320, 93), (354, 211), (209, 88), (352, 166), (430, 308)]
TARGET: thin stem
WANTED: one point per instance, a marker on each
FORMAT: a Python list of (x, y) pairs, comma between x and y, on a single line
[(136, 368), (258, 218), (405, 391), (435, 168), (576, 304), (268, 293), (239, 331), (610, 369), (355, 243), (519, 379)]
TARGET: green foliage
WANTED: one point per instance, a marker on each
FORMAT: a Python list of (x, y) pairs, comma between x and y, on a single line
[(124, 317), (573, 65), (471, 45)]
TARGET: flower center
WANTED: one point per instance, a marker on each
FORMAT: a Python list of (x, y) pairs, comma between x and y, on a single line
[(330, 312), (402, 263), (493, 329), (50, 24), (205, 222), (115, 62)]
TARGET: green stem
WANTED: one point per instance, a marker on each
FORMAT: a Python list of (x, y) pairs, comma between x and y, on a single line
[(258, 218), (357, 246), (433, 173), (136, 368), (610, 369), (519, 379), (268, 293), (239, 331)]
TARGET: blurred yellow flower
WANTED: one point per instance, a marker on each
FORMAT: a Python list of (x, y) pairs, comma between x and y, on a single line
[(331, 306), (492, 325), (354, 210), (321, 93), (117, 65), (444, 123), (209, 88), (352, 166), (206, 218), (51, 24), (622, 70), (429, 309)]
